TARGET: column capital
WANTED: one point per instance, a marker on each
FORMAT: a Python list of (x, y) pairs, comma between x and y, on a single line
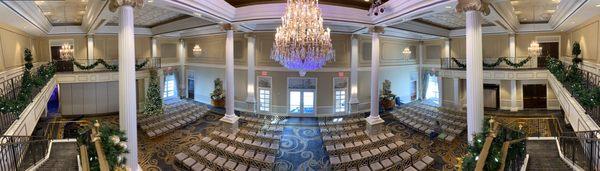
[(227, 27), (115, 4), (376, 29), (473, 5), (354, 36)]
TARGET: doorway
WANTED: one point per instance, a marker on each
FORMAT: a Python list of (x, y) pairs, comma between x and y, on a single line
[(491, 96), (549, 50), (190, 88), (534, 96), (302, 101)]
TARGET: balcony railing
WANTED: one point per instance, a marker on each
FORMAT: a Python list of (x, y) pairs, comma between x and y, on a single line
[(21, 152), (499, 63), (103, 65)]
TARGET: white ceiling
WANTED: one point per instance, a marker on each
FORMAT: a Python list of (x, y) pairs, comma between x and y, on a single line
[(65, 12), (534, 11), (149, 16), (449, 19)]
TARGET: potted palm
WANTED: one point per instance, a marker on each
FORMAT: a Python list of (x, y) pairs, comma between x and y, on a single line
[(387, 98), (218, 94)]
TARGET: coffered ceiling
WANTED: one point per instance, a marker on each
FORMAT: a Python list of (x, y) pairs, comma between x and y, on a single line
[(534, 11), (150, 16), (65, 12), (361, 4), (449, 20)]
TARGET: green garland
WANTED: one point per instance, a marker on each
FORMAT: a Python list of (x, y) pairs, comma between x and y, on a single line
[(492, 162), (106, 65), (153, 105), (495, 64), (29, 82), (113, 143), (572, 79), (517, 65)]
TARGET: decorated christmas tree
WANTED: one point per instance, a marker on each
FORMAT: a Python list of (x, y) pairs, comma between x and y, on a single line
[(218, 94), (153, 105)]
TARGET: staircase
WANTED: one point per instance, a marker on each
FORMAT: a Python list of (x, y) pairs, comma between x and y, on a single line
[(543, 155), (63, 157)]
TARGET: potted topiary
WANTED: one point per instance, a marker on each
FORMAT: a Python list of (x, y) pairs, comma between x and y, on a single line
[(218, 95), (386, 98), (576, 51)]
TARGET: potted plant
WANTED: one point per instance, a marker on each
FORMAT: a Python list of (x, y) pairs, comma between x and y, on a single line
[(576, 51), (218, 94), (387, 99)]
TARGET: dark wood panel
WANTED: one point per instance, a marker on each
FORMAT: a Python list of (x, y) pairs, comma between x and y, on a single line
[(534, 96), (360, 4)]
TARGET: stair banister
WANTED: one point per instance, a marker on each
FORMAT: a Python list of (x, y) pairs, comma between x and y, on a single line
[(486, 146), (504, 152)]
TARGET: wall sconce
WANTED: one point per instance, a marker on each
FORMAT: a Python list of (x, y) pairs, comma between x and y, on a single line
[(406, 52), (197, 50)]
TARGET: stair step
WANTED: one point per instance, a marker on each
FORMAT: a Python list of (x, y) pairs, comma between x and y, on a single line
[(543, 155)]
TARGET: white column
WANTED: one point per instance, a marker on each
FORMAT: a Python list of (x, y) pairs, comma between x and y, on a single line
[(446, 48), (182, 76), (513, 96), (474, 74), (154, 47), (512, 47), (420, 71), (354, 70), (374, 116), (251, 98), (440, 88), (90, 47), (456, 93), (127, 98), (230, 116)]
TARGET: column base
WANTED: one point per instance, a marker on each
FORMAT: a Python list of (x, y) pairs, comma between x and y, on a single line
[(231, 119), (374, 120), (373, 130), (353, 107), (514, 109), (251, 106), (230, 128)]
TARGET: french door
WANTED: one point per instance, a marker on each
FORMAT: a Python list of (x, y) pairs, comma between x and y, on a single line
[(302, 101)]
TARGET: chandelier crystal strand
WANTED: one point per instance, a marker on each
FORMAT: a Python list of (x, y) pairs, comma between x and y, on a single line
[(301, 42)]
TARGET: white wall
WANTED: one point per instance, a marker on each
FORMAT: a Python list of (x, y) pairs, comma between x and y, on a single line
[(89, 98)]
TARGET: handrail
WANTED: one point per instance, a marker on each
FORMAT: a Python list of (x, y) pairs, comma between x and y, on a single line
[(100, 151), (486, 147), (14, 153), (504, 152), (85, 163)]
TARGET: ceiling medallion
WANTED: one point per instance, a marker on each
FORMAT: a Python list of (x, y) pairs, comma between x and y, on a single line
[(376, 8), (301, 42)]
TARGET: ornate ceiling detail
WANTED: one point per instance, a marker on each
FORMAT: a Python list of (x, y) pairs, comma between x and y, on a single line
[(473, 5), (449, 20), (67, 12), (534, 11), (360, 4), (150, 16)]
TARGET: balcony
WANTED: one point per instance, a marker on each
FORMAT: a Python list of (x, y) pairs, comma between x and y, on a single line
[(498, 63)]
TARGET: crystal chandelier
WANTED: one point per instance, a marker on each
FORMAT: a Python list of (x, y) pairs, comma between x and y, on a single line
[(66, 51), (534, 49), (301, 42), (197, 51), (406, 52)]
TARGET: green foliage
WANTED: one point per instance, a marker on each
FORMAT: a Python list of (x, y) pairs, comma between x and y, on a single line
[(29, 82), (572, 79), (153, 105), (498, 62), (576, 49), (386, 91), (113, 144), (106, 65), (493, 160), (218, 93)]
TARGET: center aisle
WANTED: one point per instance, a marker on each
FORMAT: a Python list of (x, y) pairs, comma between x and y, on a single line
[(301, 146)]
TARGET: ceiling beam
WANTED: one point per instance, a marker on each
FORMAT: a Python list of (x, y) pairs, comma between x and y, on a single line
[(31, 13), (96, 16)]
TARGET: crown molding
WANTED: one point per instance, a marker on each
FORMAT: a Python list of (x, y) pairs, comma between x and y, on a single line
[(30, 12)]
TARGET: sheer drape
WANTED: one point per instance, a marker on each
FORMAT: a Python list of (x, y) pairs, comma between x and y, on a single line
[(425, 83)]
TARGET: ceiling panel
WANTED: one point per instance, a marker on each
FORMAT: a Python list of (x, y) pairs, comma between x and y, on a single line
[(65, 12), (449, 20), (150, 16), (361, 4), (534, 11)]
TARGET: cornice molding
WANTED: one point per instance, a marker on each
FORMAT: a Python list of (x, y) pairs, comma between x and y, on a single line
[(29, 11)]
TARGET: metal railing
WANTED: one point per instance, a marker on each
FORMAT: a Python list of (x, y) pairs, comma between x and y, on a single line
[(580, 151), (73, 65), (21, 152), (497, 63), (513, 163), (9, 91), (286, 111)]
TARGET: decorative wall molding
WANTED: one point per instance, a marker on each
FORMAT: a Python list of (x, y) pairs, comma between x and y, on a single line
[(90, 77)]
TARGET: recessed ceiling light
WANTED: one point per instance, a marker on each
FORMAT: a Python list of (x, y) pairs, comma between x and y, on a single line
[(448, 7), (48, 13), (81, 12), (572, 22), (198, 14), (597, 5), (518, 12), (524, 19), (514, 2), (550, 11), (366, 0), (150, 1)]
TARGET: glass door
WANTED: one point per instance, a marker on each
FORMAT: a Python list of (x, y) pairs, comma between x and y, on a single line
[(302, 101)]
